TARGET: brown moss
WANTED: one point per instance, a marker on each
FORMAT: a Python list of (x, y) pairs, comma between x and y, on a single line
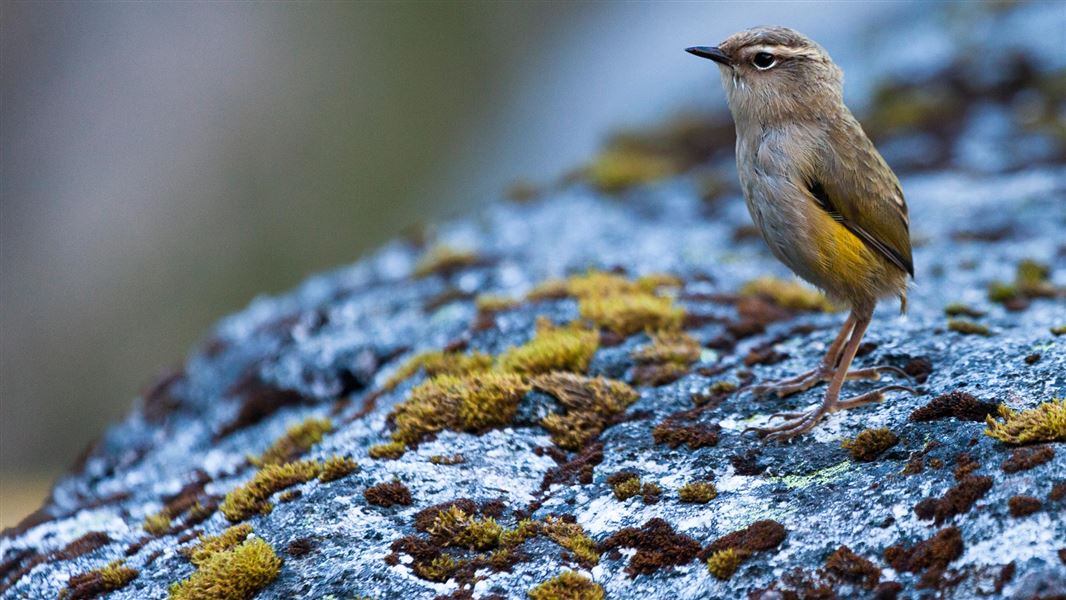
[(1022, 506), (870, 443), (723, 563), (296, 441), (1045, 423), (388, 494), (850, 567), (650, 492), (697, 492), (300, 547), (697, 435), (445, 260), (968, 327), (567, 585), (657, 546), (437, 362), (1023, 459), (934, 553), (715, 394), (578, 469), (252, 497), (790, 295), (260, 400), (757, 537), (919, 368), (336, 467), (552, 349), (957, 500), (234, 574), (591, 405), (957, 404), (1058, 492), (92, 584)]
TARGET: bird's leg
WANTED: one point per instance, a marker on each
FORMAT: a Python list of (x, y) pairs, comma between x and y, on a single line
[(805, 381), (799, 423), (825, 370)]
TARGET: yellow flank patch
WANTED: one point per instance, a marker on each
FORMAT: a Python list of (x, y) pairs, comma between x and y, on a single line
[(842, 255)]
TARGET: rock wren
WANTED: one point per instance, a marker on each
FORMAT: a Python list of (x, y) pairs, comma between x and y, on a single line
[(826, 203)]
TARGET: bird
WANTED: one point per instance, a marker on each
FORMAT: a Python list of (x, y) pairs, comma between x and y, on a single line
[(824, 200)]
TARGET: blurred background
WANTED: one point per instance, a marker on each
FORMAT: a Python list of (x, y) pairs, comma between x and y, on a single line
[(163, 163)]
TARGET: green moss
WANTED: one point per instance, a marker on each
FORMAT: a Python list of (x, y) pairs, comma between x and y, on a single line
[(567, 585), (234, 574), (296, 441), (1045, 423), (958, 309), (653, 282), (618, 169), (525, 529), (440, 569), (552, 349), (625, 485), (212, 545), (454, 527), (157, 524), (444, 259), (388, 450), (697, 492), (590, 404), (627, 314), (251, 498), (968, 327), (572, 537), (1001, 292), (1060, 330), (1032, 278), (436, 362), (115, 576), (870, 443), (787, 294), (336, 467), (723, 563)]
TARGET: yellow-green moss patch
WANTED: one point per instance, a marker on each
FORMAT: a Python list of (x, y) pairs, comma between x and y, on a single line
[(157, 524), (436, 362), (572, 537), (336, 467), (387, 451), (490, 303), (552, 349), (1045, 423), (697, 492), (297, 440), (211, 545), (723, 563), (567, 585), (453, 527), (968, 327), (618, 169), (252, 497), (627, 314), (958, 309), (234, 574), (787, 294)]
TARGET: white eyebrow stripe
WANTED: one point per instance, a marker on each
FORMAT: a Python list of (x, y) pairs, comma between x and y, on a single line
[(783, 51)]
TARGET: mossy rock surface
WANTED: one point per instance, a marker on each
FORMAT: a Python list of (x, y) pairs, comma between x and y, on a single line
[(327, 349)]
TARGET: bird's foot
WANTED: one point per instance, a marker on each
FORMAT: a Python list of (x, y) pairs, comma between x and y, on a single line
[(798, 423), (805, 381)]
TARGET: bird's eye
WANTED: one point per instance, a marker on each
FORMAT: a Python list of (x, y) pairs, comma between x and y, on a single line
[(764, 60)]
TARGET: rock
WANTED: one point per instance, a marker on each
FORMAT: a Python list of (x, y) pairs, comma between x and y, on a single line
[(499, 503)]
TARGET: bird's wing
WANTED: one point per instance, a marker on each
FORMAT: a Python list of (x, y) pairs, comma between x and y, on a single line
[(857, 188)]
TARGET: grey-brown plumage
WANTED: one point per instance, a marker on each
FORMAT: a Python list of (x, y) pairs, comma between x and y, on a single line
[(823, 198)]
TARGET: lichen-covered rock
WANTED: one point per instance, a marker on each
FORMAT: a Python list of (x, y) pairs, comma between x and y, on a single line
[(313, 439)]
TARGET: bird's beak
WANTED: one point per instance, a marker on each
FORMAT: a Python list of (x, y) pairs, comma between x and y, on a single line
[(711, 52)]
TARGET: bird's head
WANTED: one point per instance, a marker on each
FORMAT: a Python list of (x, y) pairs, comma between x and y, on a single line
[(775, 73)]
